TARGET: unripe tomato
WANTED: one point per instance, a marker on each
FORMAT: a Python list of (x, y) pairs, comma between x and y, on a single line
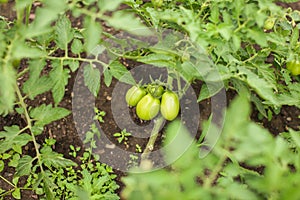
[(134, 95), (269, 23), (155, 90), (157, 3), (293, 67), (148, 107), (169, 106)]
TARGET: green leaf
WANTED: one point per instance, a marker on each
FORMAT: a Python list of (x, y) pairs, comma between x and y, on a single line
[(36, 85), (16, 193), (295, 136), (209, 89), (22, 4), (1, 165), (261, 86), (107, 5), (122, 19), (22, 50), (121, 73), (59, 77), (24, 166), (46, 114), (7, 89), (92, 79), (159, 60), (258, 36), (63, 32), (177, 141), (92, 34), (51, 158), (107, 77), (73, 64), (41, 24), (77, 46), (13, 137), (225, 30)]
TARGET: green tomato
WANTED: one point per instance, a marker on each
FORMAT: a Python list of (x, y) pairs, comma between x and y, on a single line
[(293, 67), (169, 106), (148, 107), (155, 90), (269, 23), (134, 95)]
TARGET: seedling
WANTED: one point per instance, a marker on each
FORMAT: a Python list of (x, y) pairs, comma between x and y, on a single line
[(122, 136), (99, 115), (138, 148)]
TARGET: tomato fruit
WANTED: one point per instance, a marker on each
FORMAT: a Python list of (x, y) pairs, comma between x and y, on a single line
[(148, 107), (169, 106), (134, 95), (155, 90), (269, 23), (293, 67)]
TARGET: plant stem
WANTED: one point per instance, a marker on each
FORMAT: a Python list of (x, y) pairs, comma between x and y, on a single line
[(154, 133), (7, 181), (29, 124), (212, 177)]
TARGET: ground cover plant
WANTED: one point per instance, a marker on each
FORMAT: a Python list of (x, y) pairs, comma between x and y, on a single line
[(250, 48)]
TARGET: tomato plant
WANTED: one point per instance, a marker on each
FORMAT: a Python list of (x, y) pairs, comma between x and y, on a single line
[(169, 106), (293, 67), (148, 107), (134, 95)]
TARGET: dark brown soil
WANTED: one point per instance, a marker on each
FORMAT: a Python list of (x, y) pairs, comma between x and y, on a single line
[(66, 134)]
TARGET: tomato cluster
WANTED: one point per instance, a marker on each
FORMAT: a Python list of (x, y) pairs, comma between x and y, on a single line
[(152, 99)]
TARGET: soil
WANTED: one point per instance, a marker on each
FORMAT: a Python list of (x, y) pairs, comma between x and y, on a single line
[(66, 131)]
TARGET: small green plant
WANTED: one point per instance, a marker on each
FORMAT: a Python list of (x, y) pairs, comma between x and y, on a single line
[(99, 115), (138, 148), (122, 136)]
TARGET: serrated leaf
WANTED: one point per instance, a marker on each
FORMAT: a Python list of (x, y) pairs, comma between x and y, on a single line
[(261, 86), (12, 137), (258, 36), (41, 24), (63, 32), (73, 64), (208, 90), (108, 5), (46, 114), (39, 86), (59, 77), (51, 158), (47, 186), (121, 19), (92, 34), (107, 77), (121, 73), (92, 79), (159, 60), (77, 46), (7, 89), (24, 166), (36, 85)]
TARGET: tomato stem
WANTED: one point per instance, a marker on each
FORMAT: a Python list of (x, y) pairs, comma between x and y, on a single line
[(154, 133)]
